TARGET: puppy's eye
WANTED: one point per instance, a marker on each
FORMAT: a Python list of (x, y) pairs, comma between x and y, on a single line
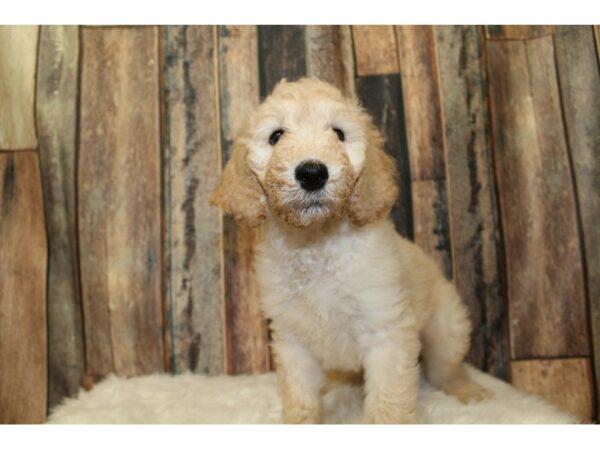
[(340, 134), (274, 139)]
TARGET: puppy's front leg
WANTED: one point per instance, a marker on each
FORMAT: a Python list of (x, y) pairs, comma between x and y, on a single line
[(300, 381), (392, 379)]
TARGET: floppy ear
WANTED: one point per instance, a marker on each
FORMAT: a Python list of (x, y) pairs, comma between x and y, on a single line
[(376, 189), (239, 192)]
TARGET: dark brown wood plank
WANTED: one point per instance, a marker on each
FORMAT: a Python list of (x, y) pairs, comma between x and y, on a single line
[(56, 118), (430, 212), (471, 199), (517, 32), (23, 258), (579, 81), (329, 55), (564, 382), (420, 85), (282, 54), (18, 54), (375, 49), (546, 302), (424, 125), (382, 98), (192, 168), (246, 328), (119, 200)]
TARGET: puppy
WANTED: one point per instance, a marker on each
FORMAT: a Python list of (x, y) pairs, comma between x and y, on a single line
[(344, 291)]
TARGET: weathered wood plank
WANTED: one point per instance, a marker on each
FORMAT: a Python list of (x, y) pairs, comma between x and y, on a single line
[(56, 118), (579, 81), (430, 212), (23, 258), (282, 54), (517, 32), (471, 200), (424, 125), (246, 328), (382, 98), (375, 49), (329, 55), (192, 168), (420, 85), (564, 382), (18, 54), (119, 200), (546, 302)]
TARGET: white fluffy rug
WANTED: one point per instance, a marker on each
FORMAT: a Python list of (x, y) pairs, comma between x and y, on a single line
[(253, 399)]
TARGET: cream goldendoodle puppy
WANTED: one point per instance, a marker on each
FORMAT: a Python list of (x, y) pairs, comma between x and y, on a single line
[(344, 291)]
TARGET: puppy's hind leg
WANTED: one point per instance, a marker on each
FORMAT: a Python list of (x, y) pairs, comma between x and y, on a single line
[(445, 341)]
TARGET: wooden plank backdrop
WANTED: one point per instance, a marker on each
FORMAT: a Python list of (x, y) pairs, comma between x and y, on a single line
[(17, 86), (495, 130), (119, 214), (56, 119)]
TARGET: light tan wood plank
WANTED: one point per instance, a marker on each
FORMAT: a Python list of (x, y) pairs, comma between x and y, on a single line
[(23, 258), (580, 92), (422, 107), (194, 229), (375, 49), (18, 54), (564, 382), (517, 32), (119, 200), (430, 221), (329, 55), (546, 302), (56, 117), (246, 333), (471, 196)]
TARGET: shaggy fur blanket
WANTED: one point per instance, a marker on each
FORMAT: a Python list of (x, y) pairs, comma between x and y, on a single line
[(253, 399)]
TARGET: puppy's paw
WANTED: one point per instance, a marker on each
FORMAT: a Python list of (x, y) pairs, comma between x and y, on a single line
[(389, 414), (467, 391), (298, 414)]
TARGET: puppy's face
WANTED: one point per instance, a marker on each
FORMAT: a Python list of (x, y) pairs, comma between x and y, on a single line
[(306, 147), (307, 155)]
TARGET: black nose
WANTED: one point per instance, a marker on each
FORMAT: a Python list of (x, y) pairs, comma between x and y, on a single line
[(312, 175)]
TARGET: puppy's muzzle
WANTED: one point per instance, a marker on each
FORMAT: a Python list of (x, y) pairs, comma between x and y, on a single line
[(312, 175)]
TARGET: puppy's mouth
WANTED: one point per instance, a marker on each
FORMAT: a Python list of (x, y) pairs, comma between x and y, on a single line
[(307, 202)]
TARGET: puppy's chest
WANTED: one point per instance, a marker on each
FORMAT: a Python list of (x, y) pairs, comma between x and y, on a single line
[(310, 294)]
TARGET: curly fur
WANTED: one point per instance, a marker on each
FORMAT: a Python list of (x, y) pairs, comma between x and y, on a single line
[(344, 291)]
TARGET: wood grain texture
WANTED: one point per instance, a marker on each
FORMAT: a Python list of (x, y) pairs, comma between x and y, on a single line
[(471, 197), (56, 118), (329, 55), (375, 49), (546, 302), (23, 258), (564, 382), (246, 329), (382, 98), (18, 54), (430, 212), (517, 32), (119, 201), (425, 133), (420, 85), (192, 169), (282, 54), (579, 81)]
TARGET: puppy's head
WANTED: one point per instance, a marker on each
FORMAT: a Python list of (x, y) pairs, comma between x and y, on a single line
[(308, 155)]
